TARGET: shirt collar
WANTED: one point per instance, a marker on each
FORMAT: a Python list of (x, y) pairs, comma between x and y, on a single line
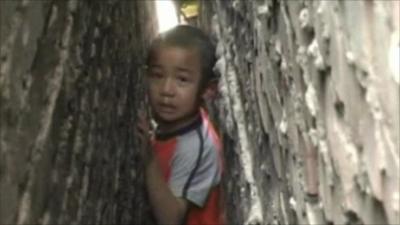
[(192, 126)]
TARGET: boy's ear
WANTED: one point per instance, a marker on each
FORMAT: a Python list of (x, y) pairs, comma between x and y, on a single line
[(211, 90)]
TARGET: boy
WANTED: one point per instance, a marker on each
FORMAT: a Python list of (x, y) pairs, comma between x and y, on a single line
[(184, 165)]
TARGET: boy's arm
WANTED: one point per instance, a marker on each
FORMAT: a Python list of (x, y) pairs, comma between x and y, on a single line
[(167, 208)]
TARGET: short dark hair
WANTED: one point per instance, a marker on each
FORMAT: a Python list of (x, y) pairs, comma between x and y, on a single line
[(189, 37)]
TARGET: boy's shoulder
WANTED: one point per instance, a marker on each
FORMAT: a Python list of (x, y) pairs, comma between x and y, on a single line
[(202, 133), (198, 136)]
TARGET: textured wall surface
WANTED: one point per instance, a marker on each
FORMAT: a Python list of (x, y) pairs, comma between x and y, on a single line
[(68, 94), (310, 109)]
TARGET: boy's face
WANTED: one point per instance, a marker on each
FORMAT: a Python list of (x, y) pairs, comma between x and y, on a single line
[(174, 81)]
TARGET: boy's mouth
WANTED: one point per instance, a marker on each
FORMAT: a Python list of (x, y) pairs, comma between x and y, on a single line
[(166, 108)]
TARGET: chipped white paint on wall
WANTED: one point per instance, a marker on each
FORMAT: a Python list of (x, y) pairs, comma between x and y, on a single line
[(394, 57), (335, 65)]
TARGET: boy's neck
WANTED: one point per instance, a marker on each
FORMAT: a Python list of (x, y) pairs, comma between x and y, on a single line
[(171, 127)]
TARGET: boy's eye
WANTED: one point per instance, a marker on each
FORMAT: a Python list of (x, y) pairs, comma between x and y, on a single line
[(156, 74), (183, 79)]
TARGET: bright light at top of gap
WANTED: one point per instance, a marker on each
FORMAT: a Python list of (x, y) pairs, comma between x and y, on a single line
[(166, 15)]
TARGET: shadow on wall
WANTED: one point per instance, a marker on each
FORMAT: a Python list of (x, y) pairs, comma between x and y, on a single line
[(70, 81)]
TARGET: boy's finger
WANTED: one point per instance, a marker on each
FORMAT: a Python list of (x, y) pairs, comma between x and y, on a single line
[(143, 125), (142, 114), (144, 130)]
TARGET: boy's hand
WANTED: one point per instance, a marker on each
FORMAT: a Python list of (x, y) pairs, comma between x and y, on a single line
[(145, 135)]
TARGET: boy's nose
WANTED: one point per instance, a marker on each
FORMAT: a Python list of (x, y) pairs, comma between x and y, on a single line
[(168, 88)]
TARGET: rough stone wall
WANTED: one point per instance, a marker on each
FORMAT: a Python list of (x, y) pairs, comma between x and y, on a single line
[(69, 89), (309, 109)]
